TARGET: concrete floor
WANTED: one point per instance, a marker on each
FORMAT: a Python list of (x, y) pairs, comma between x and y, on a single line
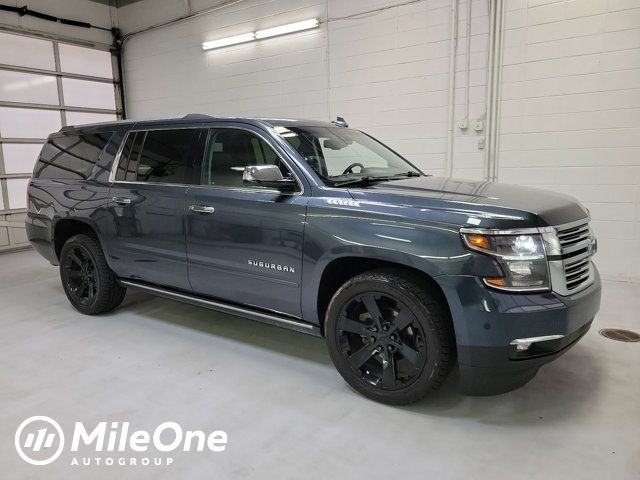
[(287, 412)]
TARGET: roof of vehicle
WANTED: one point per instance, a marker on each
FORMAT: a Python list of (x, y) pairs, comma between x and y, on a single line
[(197, 118)]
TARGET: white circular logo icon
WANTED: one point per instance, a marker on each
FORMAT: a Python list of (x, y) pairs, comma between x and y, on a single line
[(39, 440)]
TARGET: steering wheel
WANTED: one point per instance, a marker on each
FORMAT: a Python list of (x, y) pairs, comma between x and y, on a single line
[(350, 168)]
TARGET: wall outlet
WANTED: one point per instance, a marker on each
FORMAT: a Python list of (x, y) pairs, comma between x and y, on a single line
[(478, 125), (481, 144), (463, 124)]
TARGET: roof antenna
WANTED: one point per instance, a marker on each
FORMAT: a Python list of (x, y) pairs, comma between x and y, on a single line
[(341, 122)]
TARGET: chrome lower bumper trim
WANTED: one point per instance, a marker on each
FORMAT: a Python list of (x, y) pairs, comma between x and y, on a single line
[(525, 343)]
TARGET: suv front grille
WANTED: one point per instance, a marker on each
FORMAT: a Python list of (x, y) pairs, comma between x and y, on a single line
[(577, 271), (573, 236)]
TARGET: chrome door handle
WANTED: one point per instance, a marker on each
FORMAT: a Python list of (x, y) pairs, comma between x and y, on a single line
[(201, 208), (121, 200)]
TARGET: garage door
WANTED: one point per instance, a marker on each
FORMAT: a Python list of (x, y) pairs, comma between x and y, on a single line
[(44, 85)]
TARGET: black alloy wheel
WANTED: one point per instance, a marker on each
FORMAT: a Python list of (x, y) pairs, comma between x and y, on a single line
[(89, 283), (390, 336), (382, 340), (81, 275)]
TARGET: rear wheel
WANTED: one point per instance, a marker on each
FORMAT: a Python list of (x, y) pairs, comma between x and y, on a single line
[(88, 282), (389, 338)]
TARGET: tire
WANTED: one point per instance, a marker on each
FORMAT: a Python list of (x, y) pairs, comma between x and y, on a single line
[(89, 283), (405, 354)]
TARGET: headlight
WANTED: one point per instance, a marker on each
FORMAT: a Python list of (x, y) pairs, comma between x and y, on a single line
[(521, 256)]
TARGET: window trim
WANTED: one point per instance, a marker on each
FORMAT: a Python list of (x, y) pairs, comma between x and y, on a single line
[(116, 162)]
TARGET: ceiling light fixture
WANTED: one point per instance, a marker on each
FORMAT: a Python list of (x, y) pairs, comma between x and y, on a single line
[(289, 28), (225, 42), (267, 33)]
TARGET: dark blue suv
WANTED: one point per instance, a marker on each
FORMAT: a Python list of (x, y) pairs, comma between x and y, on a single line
[(322, 229)]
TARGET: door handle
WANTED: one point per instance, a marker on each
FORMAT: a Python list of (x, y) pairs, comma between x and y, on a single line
[(121, 200), (201, 208)]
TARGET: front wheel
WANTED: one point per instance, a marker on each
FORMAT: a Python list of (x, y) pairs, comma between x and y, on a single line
[(389, 338), (89, 283)]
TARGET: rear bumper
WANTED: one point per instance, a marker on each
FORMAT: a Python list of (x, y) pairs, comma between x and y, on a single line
[(39, 234), (487, 322)]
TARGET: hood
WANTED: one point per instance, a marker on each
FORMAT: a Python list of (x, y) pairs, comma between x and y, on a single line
[(481, 203)]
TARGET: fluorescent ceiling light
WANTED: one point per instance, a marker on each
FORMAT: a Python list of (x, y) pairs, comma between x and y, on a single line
[(289, 28), (269, 32), (225, 42)]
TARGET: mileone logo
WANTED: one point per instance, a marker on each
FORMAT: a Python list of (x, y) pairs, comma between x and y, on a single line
[(40, 440), (271, 266)]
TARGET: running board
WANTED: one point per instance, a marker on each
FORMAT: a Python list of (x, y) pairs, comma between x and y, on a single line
[(269, 318)]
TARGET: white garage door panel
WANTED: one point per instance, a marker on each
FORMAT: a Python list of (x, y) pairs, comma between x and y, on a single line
[(83, 93), (20, 157), (85, 61), (17, 190), (26, 52), (28, 88), (80, 118), (28, 122), (29, 74)]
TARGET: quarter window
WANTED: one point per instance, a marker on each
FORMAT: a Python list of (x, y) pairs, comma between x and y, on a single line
[(70, 156)]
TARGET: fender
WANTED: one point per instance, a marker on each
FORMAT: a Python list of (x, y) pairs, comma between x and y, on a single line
[(343, 228)]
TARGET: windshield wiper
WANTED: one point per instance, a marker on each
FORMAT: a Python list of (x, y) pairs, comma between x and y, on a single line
[(410, 173), (369, 179)]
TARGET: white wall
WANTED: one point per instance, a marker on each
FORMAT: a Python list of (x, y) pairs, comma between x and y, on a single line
[(385, 73), (571, 113), (570, 90)]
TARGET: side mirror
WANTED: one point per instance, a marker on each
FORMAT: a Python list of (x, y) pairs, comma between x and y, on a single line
[(268, 176)]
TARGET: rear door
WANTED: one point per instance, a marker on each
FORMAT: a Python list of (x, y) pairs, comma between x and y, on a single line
[(244, 244), (147, 206)]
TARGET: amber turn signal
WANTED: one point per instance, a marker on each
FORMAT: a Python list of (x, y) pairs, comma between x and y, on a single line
[(496, 282), (478, 241)]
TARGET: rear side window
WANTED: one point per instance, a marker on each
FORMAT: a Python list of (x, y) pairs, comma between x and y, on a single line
[(127, 167), (157, 156), (70, 156)]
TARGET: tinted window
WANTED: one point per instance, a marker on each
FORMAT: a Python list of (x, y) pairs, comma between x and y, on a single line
[(127, 168), (70, 156), (157, 156), (229, 150)]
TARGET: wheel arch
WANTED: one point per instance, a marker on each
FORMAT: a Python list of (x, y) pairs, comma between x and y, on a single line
[(341, 269), (65, 228)]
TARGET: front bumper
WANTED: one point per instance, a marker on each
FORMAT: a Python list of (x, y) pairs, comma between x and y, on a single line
[(487, 322)]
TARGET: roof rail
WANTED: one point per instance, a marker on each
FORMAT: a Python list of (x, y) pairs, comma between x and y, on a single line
[(196, 115)]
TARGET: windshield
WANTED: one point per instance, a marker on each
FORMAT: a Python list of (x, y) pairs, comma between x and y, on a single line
[(340, 154)]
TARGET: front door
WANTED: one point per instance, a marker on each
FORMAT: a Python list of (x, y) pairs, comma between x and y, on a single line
[(147, 207), (244, 244)]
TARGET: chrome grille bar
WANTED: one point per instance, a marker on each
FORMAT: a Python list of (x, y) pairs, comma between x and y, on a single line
[(573, 271)]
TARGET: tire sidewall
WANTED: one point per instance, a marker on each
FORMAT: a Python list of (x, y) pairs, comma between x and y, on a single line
[(79, 240), (382, 284)]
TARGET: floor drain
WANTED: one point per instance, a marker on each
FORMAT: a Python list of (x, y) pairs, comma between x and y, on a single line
[(620, 335)]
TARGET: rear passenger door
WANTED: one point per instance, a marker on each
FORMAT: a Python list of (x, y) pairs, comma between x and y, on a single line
[(244, 244), (147, 206)]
